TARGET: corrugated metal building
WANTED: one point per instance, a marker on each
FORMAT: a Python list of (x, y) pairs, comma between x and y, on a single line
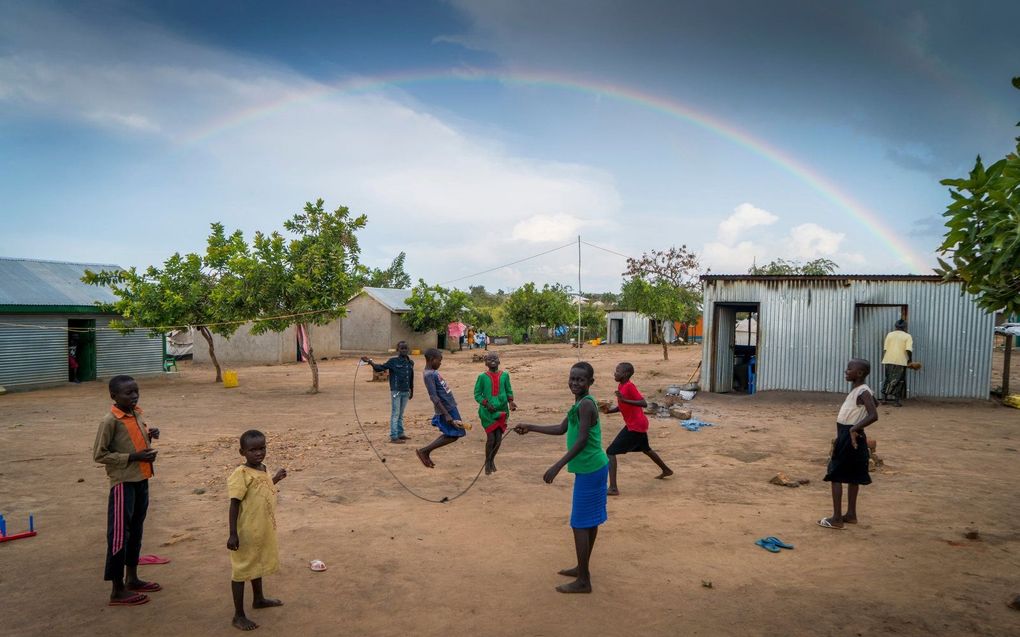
[(43, 306), (632, 328), (808, 327)]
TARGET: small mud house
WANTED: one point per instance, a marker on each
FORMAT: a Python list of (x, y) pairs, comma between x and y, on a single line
[(373, 322), (806, 328), (270, 348), (45, 310)]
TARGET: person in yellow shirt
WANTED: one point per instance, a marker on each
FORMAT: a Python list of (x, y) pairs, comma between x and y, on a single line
[(252, 518), (899, 346)]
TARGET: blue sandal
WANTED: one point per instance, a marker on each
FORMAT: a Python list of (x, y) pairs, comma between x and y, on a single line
[(777, 542), (768, 546)]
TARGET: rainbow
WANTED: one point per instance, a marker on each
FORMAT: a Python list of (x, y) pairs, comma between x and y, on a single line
[(812, 178)]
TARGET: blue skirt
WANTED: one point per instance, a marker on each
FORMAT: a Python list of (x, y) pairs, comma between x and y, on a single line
[(589, 505), (448, 429)]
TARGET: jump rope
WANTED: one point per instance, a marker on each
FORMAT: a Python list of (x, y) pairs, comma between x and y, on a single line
[(382, 459)]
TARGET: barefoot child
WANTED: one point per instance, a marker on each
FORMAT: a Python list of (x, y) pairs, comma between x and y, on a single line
[(495, 398), (447, 418), (586, 460), (252, 516), (634, 435), (123, 445), (401, 369), (849, 462)]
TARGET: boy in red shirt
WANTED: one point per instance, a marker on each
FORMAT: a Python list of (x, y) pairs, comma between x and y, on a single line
[(634, 435)]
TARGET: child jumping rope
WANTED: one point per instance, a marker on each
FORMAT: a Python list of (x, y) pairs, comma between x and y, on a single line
[(849, 462), (590, 466), (447, 418), (495, 398), (252, 516)]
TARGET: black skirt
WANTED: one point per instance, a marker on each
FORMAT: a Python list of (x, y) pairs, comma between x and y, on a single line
[(847, 464)]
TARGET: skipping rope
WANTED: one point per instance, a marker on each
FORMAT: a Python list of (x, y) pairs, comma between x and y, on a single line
[(444, 500)]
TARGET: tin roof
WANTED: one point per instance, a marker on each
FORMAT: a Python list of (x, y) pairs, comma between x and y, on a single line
[(822, 277), (45, 283), (394, 299)]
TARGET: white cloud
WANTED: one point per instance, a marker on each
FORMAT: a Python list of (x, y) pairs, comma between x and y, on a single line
[(245, 142), (744, 217), (811, 241)]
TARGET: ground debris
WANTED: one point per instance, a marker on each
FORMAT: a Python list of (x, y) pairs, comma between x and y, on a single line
[(783, 480)]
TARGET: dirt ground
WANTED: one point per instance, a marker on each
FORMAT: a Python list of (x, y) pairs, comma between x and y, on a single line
[(486, 564)]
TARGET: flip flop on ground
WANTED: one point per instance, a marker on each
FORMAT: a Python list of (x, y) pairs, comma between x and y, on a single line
[(777, 542), (768, 546), (826, 523), (134, 600)]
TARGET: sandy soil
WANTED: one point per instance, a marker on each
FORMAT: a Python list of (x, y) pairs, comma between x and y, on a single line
[(486, 563)]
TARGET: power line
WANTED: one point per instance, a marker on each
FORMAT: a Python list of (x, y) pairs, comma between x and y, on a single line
[(507, 265), (619, 254)]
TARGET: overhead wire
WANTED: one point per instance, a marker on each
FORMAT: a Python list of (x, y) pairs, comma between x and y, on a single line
[(507, 265)]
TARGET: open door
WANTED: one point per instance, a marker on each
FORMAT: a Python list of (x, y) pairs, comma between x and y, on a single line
[(871, 324), (81, 340), (722, 354)]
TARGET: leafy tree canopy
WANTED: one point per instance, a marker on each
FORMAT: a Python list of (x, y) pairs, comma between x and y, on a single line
[(981, 246), (817, 267), (434, 307)]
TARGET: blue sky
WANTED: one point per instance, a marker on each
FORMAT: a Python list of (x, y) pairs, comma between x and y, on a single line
[(476, 133)]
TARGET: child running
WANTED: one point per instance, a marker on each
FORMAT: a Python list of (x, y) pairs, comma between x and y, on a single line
[(447, 417), (495, 398), (849, 462), (252, 517), (586, 460), (123, 445), (634, 435)]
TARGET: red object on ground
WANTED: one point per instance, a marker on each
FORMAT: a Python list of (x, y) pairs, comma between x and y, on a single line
[(17, 536)]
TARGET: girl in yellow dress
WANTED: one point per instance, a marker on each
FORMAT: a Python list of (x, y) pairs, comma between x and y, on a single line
[(252, 526)]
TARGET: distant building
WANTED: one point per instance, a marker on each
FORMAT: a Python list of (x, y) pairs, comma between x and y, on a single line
[(373, 322), (45, 308), (804, 329), (633, 328)]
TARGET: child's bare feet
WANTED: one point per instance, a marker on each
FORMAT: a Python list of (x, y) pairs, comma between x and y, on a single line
[(612, 491), (577, 586), (243, 623), (850, 519), (266, 602), (424, 457), (488, 470), (568, 572), (665, 474)]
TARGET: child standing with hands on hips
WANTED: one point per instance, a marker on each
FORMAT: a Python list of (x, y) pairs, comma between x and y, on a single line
[(590, 466), (252, 540), (495, 398), (849, 461)]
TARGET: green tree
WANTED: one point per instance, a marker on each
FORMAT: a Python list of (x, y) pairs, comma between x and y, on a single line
[(303, 281), (528, 306), (593, 321), (182, 293), (981, 246), (664, 286), (392, 277), (434, 307), (782, 267)]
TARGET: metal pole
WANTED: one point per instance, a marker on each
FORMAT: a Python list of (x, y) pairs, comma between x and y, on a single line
[(1007, 354), (578, 297)]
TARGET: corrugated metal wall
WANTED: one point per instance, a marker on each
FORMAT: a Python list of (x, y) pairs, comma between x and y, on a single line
[(807, 333), (34, 355), (132, 353), (635, 328)]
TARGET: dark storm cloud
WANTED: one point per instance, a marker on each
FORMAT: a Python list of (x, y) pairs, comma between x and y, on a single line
[(929, 79)]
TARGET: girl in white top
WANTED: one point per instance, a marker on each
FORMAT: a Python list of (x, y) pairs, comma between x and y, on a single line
[(849, 461)]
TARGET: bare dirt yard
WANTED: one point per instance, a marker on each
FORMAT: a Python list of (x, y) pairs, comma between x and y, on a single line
[(486, 564)]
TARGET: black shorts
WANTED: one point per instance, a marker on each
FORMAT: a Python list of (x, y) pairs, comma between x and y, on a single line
[(627, 441)]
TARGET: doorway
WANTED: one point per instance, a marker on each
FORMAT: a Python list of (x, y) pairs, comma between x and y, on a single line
[(871, 324), (735, 332), (81, 350), (615, 331)]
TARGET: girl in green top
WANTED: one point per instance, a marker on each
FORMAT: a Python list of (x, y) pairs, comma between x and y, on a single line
[(590, 466)]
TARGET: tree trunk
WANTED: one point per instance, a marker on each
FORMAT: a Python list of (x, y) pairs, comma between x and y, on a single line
[(212, 352), (665, 345), (306, 350)]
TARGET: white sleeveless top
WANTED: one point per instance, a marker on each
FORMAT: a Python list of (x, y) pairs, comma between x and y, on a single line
[(850, 413)]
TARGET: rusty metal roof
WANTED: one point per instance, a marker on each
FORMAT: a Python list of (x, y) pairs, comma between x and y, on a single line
[(822, 277)]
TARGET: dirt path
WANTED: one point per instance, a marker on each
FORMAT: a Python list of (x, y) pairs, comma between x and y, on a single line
[(486, 564)]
